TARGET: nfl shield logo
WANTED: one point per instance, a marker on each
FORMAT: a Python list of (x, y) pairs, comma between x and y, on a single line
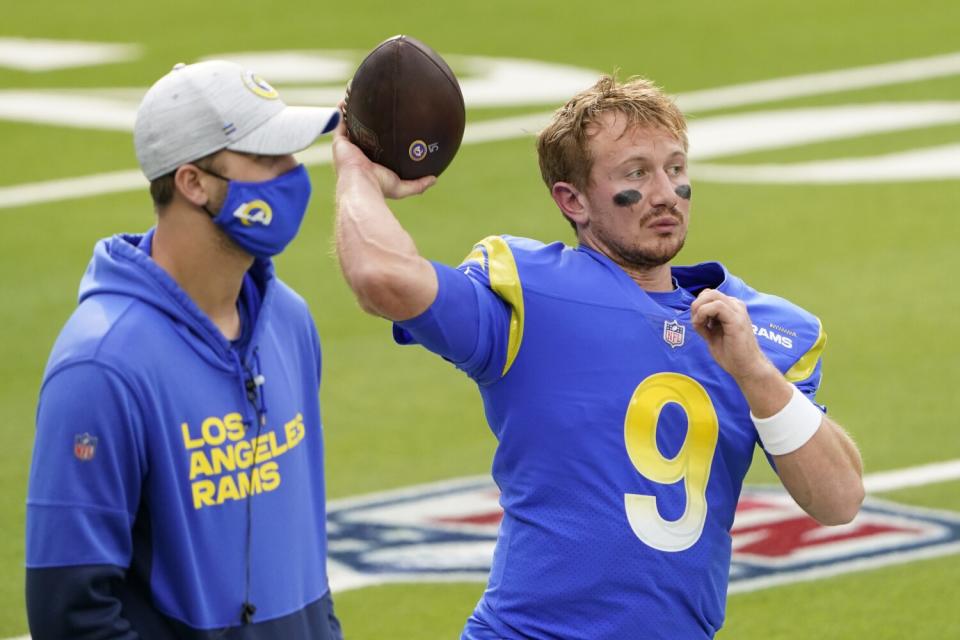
[(84, 446), (673, 333), (447, 532)]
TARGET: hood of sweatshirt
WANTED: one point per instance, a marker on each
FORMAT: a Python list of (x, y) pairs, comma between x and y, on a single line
[(121, 265)]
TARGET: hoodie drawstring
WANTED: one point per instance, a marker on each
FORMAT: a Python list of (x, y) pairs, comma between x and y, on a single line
[(258, 381), (253, 381)]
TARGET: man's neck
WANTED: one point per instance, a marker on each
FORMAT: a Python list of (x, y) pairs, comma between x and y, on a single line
[(653, 279), (658, 278), (205, 263)]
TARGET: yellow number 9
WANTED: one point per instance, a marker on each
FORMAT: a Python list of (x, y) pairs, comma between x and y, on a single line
[(691, 464)]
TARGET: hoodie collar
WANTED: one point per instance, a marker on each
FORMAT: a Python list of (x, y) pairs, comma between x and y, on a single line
[(121, 265)]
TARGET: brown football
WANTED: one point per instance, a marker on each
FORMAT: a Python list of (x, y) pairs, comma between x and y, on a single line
[(404, 108)]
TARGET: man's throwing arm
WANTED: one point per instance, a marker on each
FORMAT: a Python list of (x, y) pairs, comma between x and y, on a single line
[(378, 257)]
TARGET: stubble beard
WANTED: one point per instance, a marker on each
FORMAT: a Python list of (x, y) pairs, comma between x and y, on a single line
[(663, 251), (643, 258)]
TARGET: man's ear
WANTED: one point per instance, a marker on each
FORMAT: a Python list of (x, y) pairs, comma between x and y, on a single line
[(571, 202), (188, 183)]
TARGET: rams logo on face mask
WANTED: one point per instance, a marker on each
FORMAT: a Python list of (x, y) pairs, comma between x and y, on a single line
[(255, 211), (259, 86)]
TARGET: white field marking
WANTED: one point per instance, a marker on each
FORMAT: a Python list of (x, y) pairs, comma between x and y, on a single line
[(729, 134), (934, 163), (55, 190), (131, 180), (404, 492), (862, 564), (346, 578), (116, 110), (489, 82), (815, 84), (877, 482), (912, 476), (503, 82), (779, 128), (281, 67), (484, 81), (29, 54), (343, 578), (506, 128), (68, 109), (709, 137)]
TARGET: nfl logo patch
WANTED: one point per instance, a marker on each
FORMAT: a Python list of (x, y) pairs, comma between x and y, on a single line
[(84, 447), (673, 333)]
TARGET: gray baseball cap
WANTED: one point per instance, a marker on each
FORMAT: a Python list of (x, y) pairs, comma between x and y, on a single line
[(198, 109)]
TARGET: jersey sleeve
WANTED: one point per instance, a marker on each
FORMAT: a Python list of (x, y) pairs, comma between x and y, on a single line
[(87, 470), (790, 336), (807, 372), (472, 322)]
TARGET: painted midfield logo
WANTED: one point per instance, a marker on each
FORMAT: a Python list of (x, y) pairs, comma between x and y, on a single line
[(447, 532)]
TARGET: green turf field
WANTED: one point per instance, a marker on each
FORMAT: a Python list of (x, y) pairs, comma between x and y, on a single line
[(876, 261)]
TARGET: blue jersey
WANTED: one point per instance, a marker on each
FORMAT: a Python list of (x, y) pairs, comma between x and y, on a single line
[(622, 445), (193, 465)]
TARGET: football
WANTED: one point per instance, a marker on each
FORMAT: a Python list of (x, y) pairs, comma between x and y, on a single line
[(404, 108)]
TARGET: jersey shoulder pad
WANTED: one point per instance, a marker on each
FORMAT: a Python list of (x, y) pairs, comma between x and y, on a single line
[(494, 251), (792, 337), (502, 264), (508, 264), (556, 270)]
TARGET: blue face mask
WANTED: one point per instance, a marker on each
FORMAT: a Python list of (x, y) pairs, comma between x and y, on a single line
[(263, 217)]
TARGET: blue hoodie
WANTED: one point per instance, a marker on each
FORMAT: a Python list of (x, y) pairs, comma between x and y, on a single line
[(188, 467)]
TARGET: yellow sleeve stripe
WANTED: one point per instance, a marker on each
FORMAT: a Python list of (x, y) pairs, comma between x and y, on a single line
[(505, 282), (475, 256), (803, 368)]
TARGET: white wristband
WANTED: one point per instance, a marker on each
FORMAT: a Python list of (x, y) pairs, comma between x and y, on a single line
[(791, 427)]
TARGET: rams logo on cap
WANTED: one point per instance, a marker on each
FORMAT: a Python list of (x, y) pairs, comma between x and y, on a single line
[(255, 211), (259, 86)]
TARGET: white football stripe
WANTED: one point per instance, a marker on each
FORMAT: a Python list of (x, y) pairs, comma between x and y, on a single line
[(935, 163), (816, 84), (862, 564), (781, 128), (68, 109), (30, 54), (918, 476), (68, 188), (710, 137)]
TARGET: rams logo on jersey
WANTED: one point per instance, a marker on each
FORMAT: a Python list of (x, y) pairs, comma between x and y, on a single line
[(773, 336)]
